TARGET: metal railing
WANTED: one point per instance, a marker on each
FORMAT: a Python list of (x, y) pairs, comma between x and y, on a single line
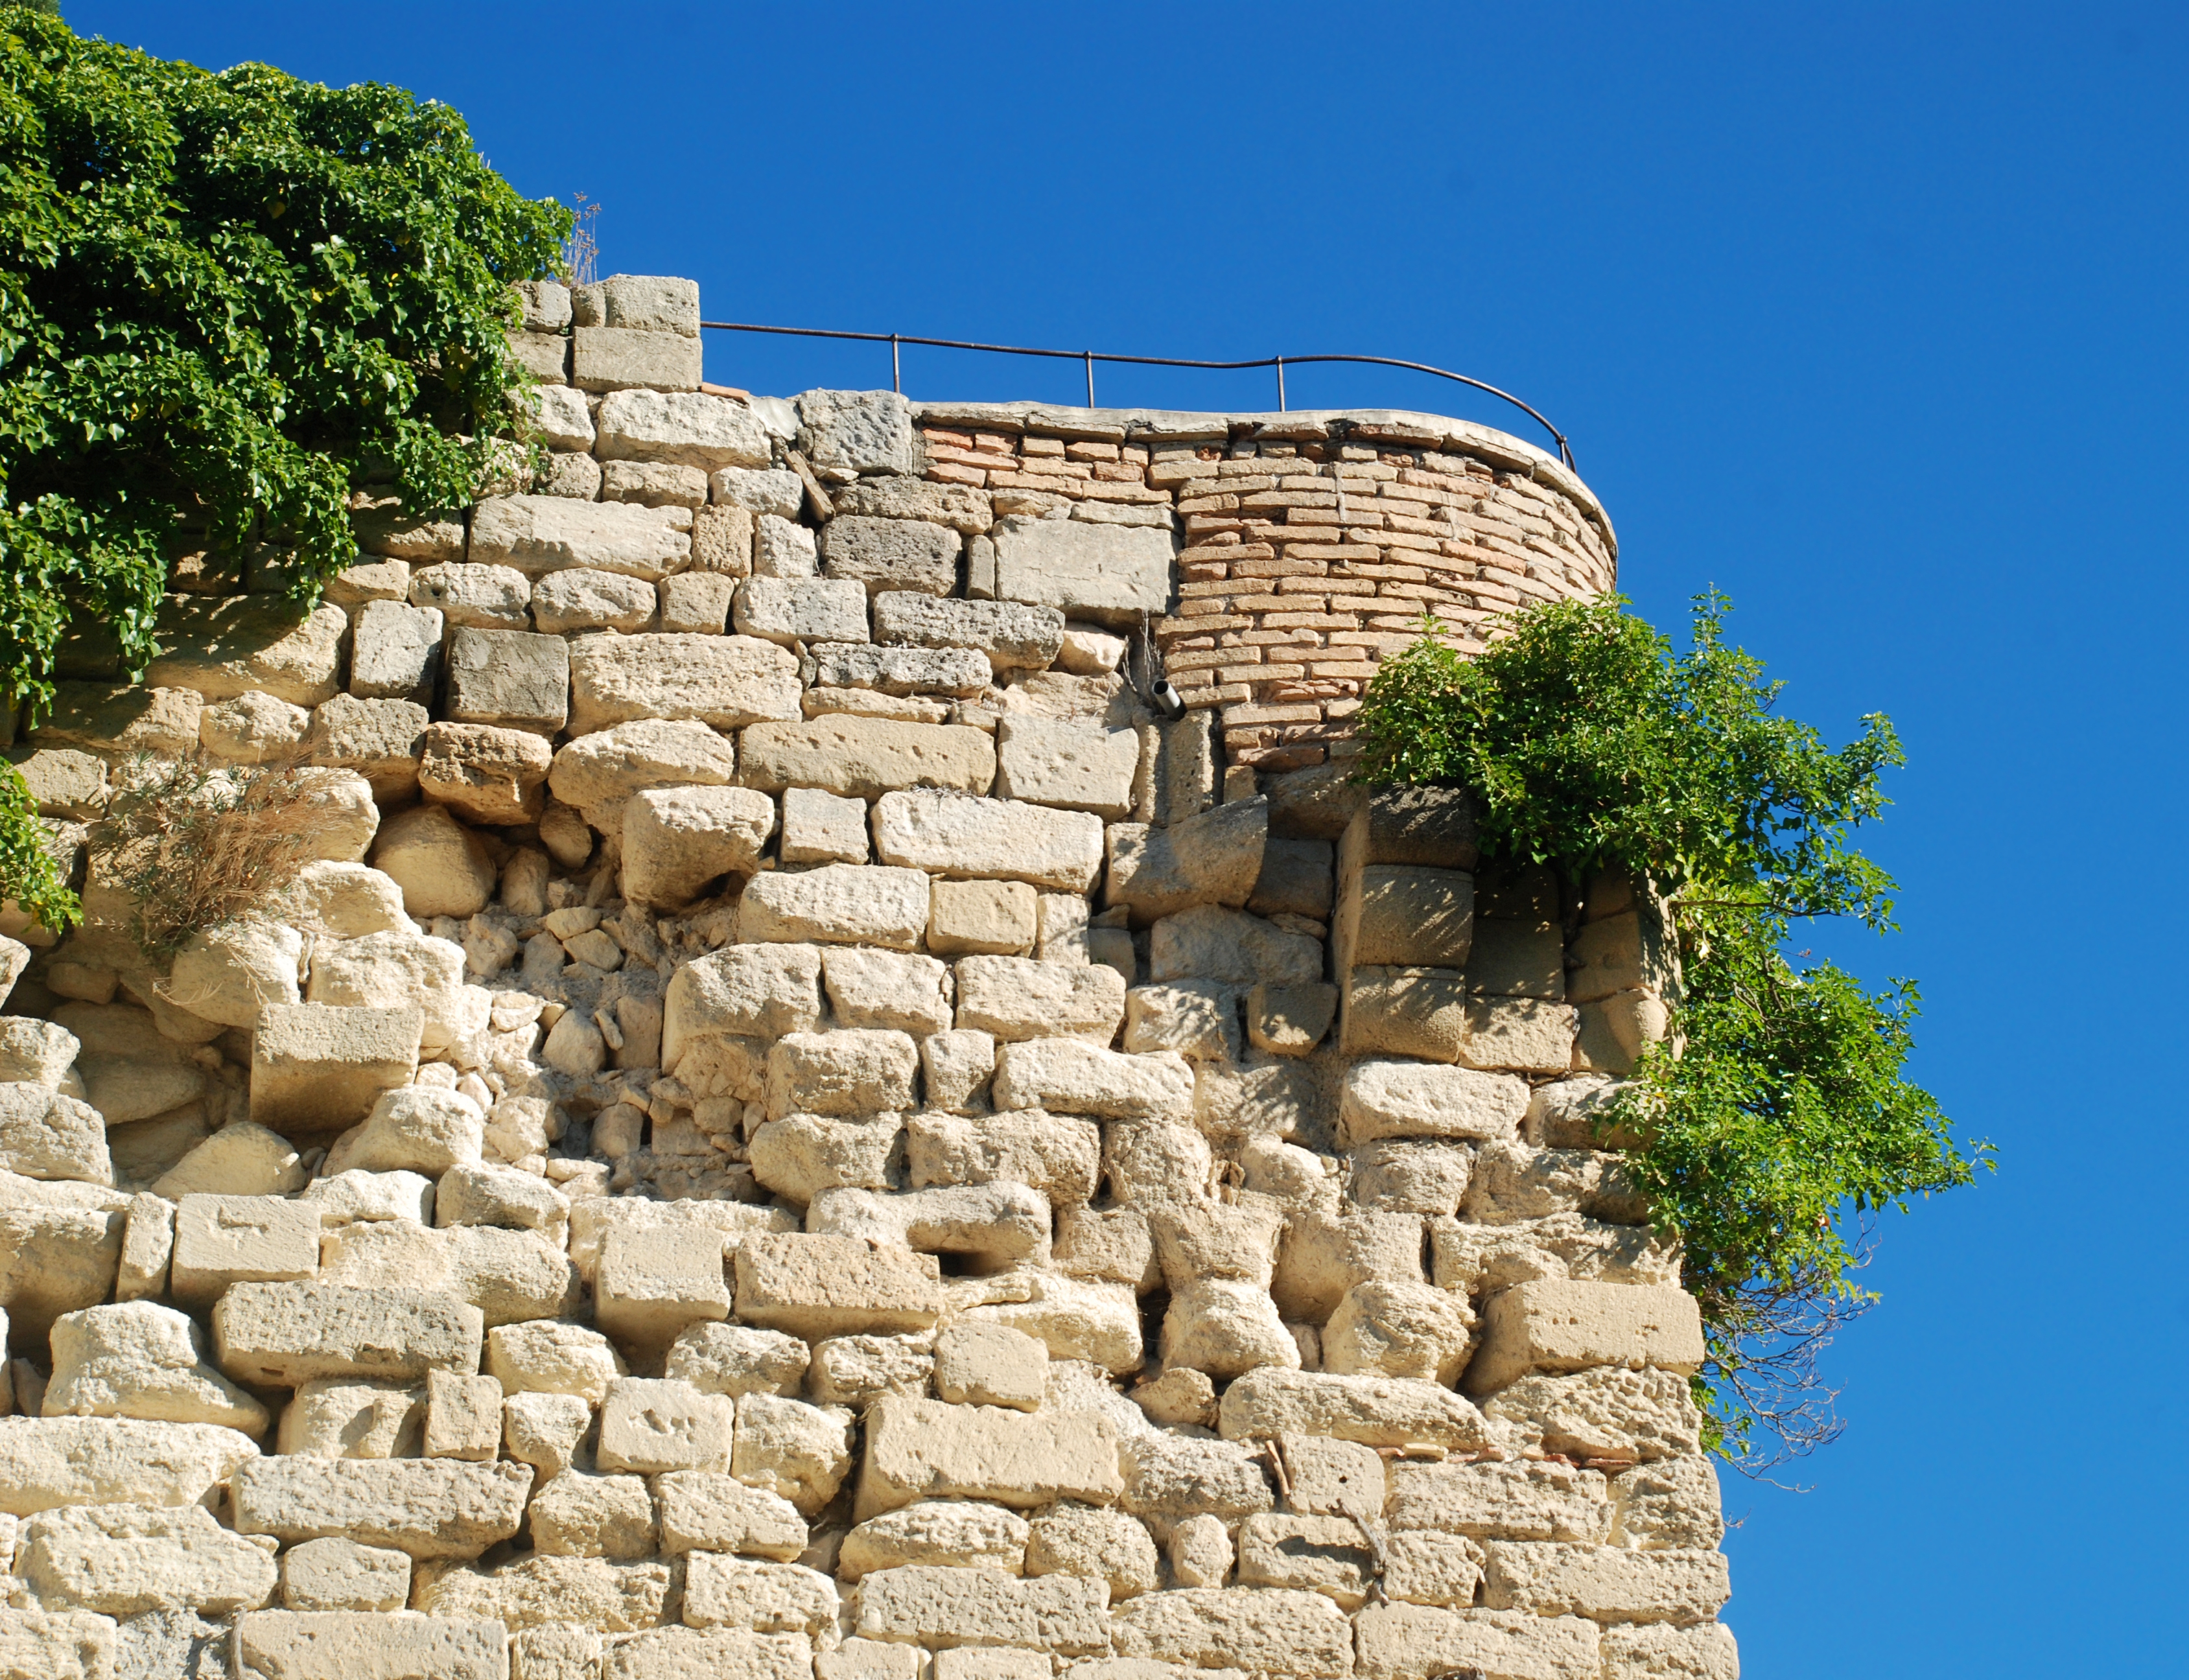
[(897, 341)]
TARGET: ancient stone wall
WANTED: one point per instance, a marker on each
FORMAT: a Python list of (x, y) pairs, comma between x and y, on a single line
[(795, 1127)]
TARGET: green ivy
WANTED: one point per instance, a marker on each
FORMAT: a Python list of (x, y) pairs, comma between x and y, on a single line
[(238, 293), (1785, 1120)]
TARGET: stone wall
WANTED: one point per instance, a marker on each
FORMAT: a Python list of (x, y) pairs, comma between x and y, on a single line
[(795, 1127)]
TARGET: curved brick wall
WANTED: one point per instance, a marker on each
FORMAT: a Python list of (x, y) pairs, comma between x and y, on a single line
[(795, 1129)]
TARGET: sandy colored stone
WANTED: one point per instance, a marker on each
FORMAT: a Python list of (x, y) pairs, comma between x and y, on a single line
[(546, 1357), (52, 1462), (546, 1431), (607, 1595), (1396, 1328), (942, 1608), (1199, 1019), (832, 1285), (46, 1135), (540, 534), (124, 1560), (949, 1533), (347, 1645), (980, 918), (1416, 1641), (1604, 1583), (509, 1276), (224, 645), (1023, 998), (577, 1515), (1225, 1328), (851, 1071), (1067, 1076), (733, 1359), (429, 1507), (1109, 574), (1077, 1319), (925, 1449), (838, 904), (732, 1222), (1213, 858), (991, 1365), (959, 672), (56, 1645), (463, 1416), (417, 1129), (650, 1425), (225, 1240), (280, 1334), (1374, 1410), (55, 1261), (956, 1067), (1261, 1630), (141, 1359), (1200, 1553), (229, 973), (1210, 942), (1673, 1503), (350, 1417), (688, 1654), (340, 1575), (974, 838), (710, 1511), (1560, 1324), (1074, 766), (1410, 1099), (1654, 1651), (759, 1595), (1510, 1501), (998, 1225), (650, 1283), (394, 970), (726, 681), (1060, 1156), (483, 774), (864, 757), (802, 1452), (676, 841)]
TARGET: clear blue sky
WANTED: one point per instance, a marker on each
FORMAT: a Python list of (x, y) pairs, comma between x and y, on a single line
[(1872, 316)]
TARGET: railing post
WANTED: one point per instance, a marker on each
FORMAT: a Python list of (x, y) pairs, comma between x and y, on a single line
[(896, 368), (1281, 385), (1089, 357)]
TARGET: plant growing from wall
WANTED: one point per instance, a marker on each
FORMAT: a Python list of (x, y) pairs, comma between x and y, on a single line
[(1786, 1121), (238, 293)]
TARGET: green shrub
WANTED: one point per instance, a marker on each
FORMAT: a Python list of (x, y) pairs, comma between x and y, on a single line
[(1785, 1122), (237, 292)]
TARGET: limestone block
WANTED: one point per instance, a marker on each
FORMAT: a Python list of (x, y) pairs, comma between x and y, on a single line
[(229, 973), (1149, 1164), (1051, 761), (1011, 636), (46, 1135), (782, 549), (441, 866), (850, 1371), (1324, 1254), (1088, 651), (1673, 1503), (224, 645), (919, 1449), (500, 1195), (789, 610), (1410, 1175), (225, 1240), (1067, 1076), (891, 554), (734, 1359), (555, 1650), (732, 1222), (540, 534), (675, 841), (1057, 1156), (1421, 1567), (1290, 1020), (1613, 1031), (1389, 914), (1414, 1641), (959, 672), (1404, 1011), (1209, 942), (63, 782), (478, 596), (1111, 1245), (544, 1357), (1650, 1649), (1518, 958), (1558, 1325), (349, 1197), (650, 1424), (507, 1275), (1527, 1035), (887, 991), (682, 427), (395, 652), (696, 603), (578, 1515), (281, 1334), (1214, 858), (1018, 998), (1327, 1478), (598, 773), (985, 839), (1225, 1327), (56, 1645), (845, 433), (1392, 1328), (544, 1589), (761, 1597), (860, 757), (340, 1575), (1535, 1500), (980, 918), (1092, 1322), (686, 1654), (148, 1247), (1604, 1583), (1374, 1410), (52, 1461), (340, 1418), (546, 1431), (583, 599), (960, 506), (800, 1452), (1430, 826), (1408, 1099), (1102, 1545), (991, 1365), (1196, 1239), (417, 1129), (945, 1533), (1327, 1555), (775, 490), (652, 1283), (380, 740), (837, 904), (1295, 880), (1514, 1182), (820, 827), (956, 1067), (463, 1416), (314, 1067), (1197, 1019), (832, 1285), (997, 1225), (849, 1072), (751, 991), (1109, 574), (249, 729), (942, 1608), (707, 1511), (725, 681), (123, 719), (124, 1560), (429, 1507), (508, 678), (391, 971), (140, 1360), (1618, 954), (1259, 1630), (346, 1645)]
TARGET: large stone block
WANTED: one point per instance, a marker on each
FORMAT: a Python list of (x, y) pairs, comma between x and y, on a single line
[(1374, 1410), (802, 1452), (46, 1135), (1604, 1583), (429, 1507), (1074, 766), (1404, 1011), (56, 1260), (141, 1359), (974, 838), (704, 1511), (1109, 573), (545, 1590), (224, 645), (1400, 1329), (340, 1575), (760, 1597), (1067, 1076), (1671, 1504), (583, 599), (507, 1275), (746, 991), (541, 1357), (337, 1417), (801, 1156), (1023, 998), (1398, 914), (687, 428), (1213, 858), (1056, 1155), (355, 1645), (998, 1225), (280, 1334), (790, 610), (652, 1283), (539, 534), (961, 507), (959, 672), (478, 596), (1531, 1500), (1417, 1642), (124, 1560), (510, 678), (675, 841), (919, 1449), (598, 773), (687, 1654), (845, 433), (1432, 828), (725, 681), (47, 1463), (865, 757), (891, 554), (1654, 1651), (1555, 1324), (1013, 636), (953, 1533), (832, 1285), (225, 1240), (621, 359), (887, 991), (838, 904), (125, 718), (1210, 942), (56, 1645), (734, 1222), (416, 1128), (848, 1071), (1261, 1630), (944, 1607), (395, 652), (577, 1515), (1408, 1099), (1605, 1413), (1327, 1555)]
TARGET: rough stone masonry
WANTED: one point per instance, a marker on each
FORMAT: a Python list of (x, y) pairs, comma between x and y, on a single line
[(797, 1130)]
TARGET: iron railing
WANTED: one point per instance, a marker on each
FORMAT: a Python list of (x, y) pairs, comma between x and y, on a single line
[(1087, 359)]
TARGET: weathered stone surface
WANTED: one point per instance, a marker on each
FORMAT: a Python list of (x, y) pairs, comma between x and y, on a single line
[(1434, 828), (395, 652), (57, 1259), (848, 1071), (1078, 1321), (380, 740), (650, 1283), (948, 1533), (726, 681), (997, 1224), (1262, 1631), (919, 1449), (1650, 1650), (390, 971), (687, 1654), (788, 610), (231, 972), (942, 1608), (761, 1597), (1290, 1020), (993, 839), (1075, 767), (1213, 858), (1103, 1545), (123, 719), (960, 506), (508, 1274), (481, 597), (543, 1357), (1414, 1641), (63, 782), (417, 1129), (677, 839), (980, 918), (47, 1463), (991, 1365), (545, 1431), (1396, 1328), (1604, 1583), (280, 1334), (1011, 637), (696, 603), (224, 645), (348, 1197), (56, 1645), (582, 599), (1374, 1410), (1225, 1328), (704, 1510), (802, 1452), (1327, 1555), (1510, 1501), (510, 678), (1389, 914), (1020, 998), (576, 1515), (684, 428), (1067, 1076), (463, 1416), (341, 1575), (751, 991), (124, 1560), (1408, 1099), (866, 757), (887, 990), (1199, 1019), (441, 866), (1057, 1156), (314, 1067), (141, 1359), (1673, 1503), (598, 773), (960, 672), (735, 1358), (838, 904), (834, 1286), (782, 549), (891, 554), (429, 1507), (1108, 574), (732, 1222), (1558, 1325), (1424, 1567), (1209, 942), (539, 534), (46, 1135), (775, 490), (545, 1590), (845, 433), (802, 1156), (345, 1645), (225, 1239), (341, 1418)]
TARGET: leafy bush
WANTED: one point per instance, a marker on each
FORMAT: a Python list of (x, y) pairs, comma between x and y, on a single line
[(237, 293), (1785, 1121)]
